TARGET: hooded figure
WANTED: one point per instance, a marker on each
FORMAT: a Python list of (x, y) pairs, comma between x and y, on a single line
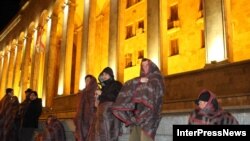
[(209, 112), (85, 109), (139, 102), (8, 116), (107, 127)]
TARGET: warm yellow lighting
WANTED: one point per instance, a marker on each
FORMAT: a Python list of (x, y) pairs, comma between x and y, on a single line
[(131, 72), (153, 53), (20, 96), (82, 75), (35, 36), (216, 52), (44, 100), (60, 84), (112, 64), (48, 31), (82, 83), (156, 61), (60, 90)]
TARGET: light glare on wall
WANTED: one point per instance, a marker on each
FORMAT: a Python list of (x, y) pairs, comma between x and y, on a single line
[(156, 61), (82, 82), (44, 100), (60, 89), (216, 52)]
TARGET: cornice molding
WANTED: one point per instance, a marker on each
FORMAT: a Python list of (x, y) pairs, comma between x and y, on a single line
[(10, 27)]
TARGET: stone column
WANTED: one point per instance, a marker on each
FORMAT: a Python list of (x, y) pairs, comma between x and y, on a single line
[(216, 48), (11, 67), (25, 78), (51, 81), (84, 50), (17, 71), (113, 36), (1, 71), (67, 48), (153, 32), (4, 72), (35, 60)]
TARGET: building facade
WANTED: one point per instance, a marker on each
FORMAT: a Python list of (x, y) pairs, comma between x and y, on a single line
[(51, 45)]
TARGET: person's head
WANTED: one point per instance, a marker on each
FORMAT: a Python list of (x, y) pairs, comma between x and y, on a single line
[(28, 92), (10, 91), (88, 79), (145, 65), (148, 67), (50, 119), (106, 74), (33, 95), (203, 99)]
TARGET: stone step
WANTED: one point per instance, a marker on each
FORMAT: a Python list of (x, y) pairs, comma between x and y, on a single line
[(165, 131)]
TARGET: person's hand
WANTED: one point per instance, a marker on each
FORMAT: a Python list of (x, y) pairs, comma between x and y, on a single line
[(144, 80)]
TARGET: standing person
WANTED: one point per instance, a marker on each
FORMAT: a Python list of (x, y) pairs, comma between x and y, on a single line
[(8, 116), (85, 109), (31, 116), (54, 130), (23, 107), (107, 127), (139, 102), (209, 112)]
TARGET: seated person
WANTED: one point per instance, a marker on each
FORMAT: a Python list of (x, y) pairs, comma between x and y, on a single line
[(209, 112), (54, 130)]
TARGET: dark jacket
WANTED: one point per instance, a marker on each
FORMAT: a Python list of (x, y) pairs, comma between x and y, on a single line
[(110, 87), (110, 90), (32, 114)]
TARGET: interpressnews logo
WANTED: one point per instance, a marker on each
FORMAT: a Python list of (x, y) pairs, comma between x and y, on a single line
[(201, 132)]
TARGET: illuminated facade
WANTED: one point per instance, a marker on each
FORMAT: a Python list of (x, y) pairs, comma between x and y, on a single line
[(51, 46)]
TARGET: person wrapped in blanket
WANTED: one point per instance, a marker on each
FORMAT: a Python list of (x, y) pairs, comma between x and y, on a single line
[(140, 101), (209, 112), (9, 105), (54, 130), (85, 113)]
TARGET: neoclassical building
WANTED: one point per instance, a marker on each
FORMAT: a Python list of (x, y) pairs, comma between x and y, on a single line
[(50, 45)]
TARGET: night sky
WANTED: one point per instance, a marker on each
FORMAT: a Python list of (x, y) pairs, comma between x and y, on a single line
[(8, 10)]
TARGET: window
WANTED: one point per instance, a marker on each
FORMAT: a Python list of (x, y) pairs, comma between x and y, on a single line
[(174, 18), (129, 3), (174, 47), (141, 24), (140, 27), (132, 2), (140, 54), (129, 31), (128, 60), (202, 39)]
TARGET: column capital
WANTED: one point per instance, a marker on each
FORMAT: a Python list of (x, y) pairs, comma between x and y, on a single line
[(1, 53), (13, 47), (7, 49)]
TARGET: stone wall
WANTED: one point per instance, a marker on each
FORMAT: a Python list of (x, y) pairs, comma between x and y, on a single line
[(230, 83)]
